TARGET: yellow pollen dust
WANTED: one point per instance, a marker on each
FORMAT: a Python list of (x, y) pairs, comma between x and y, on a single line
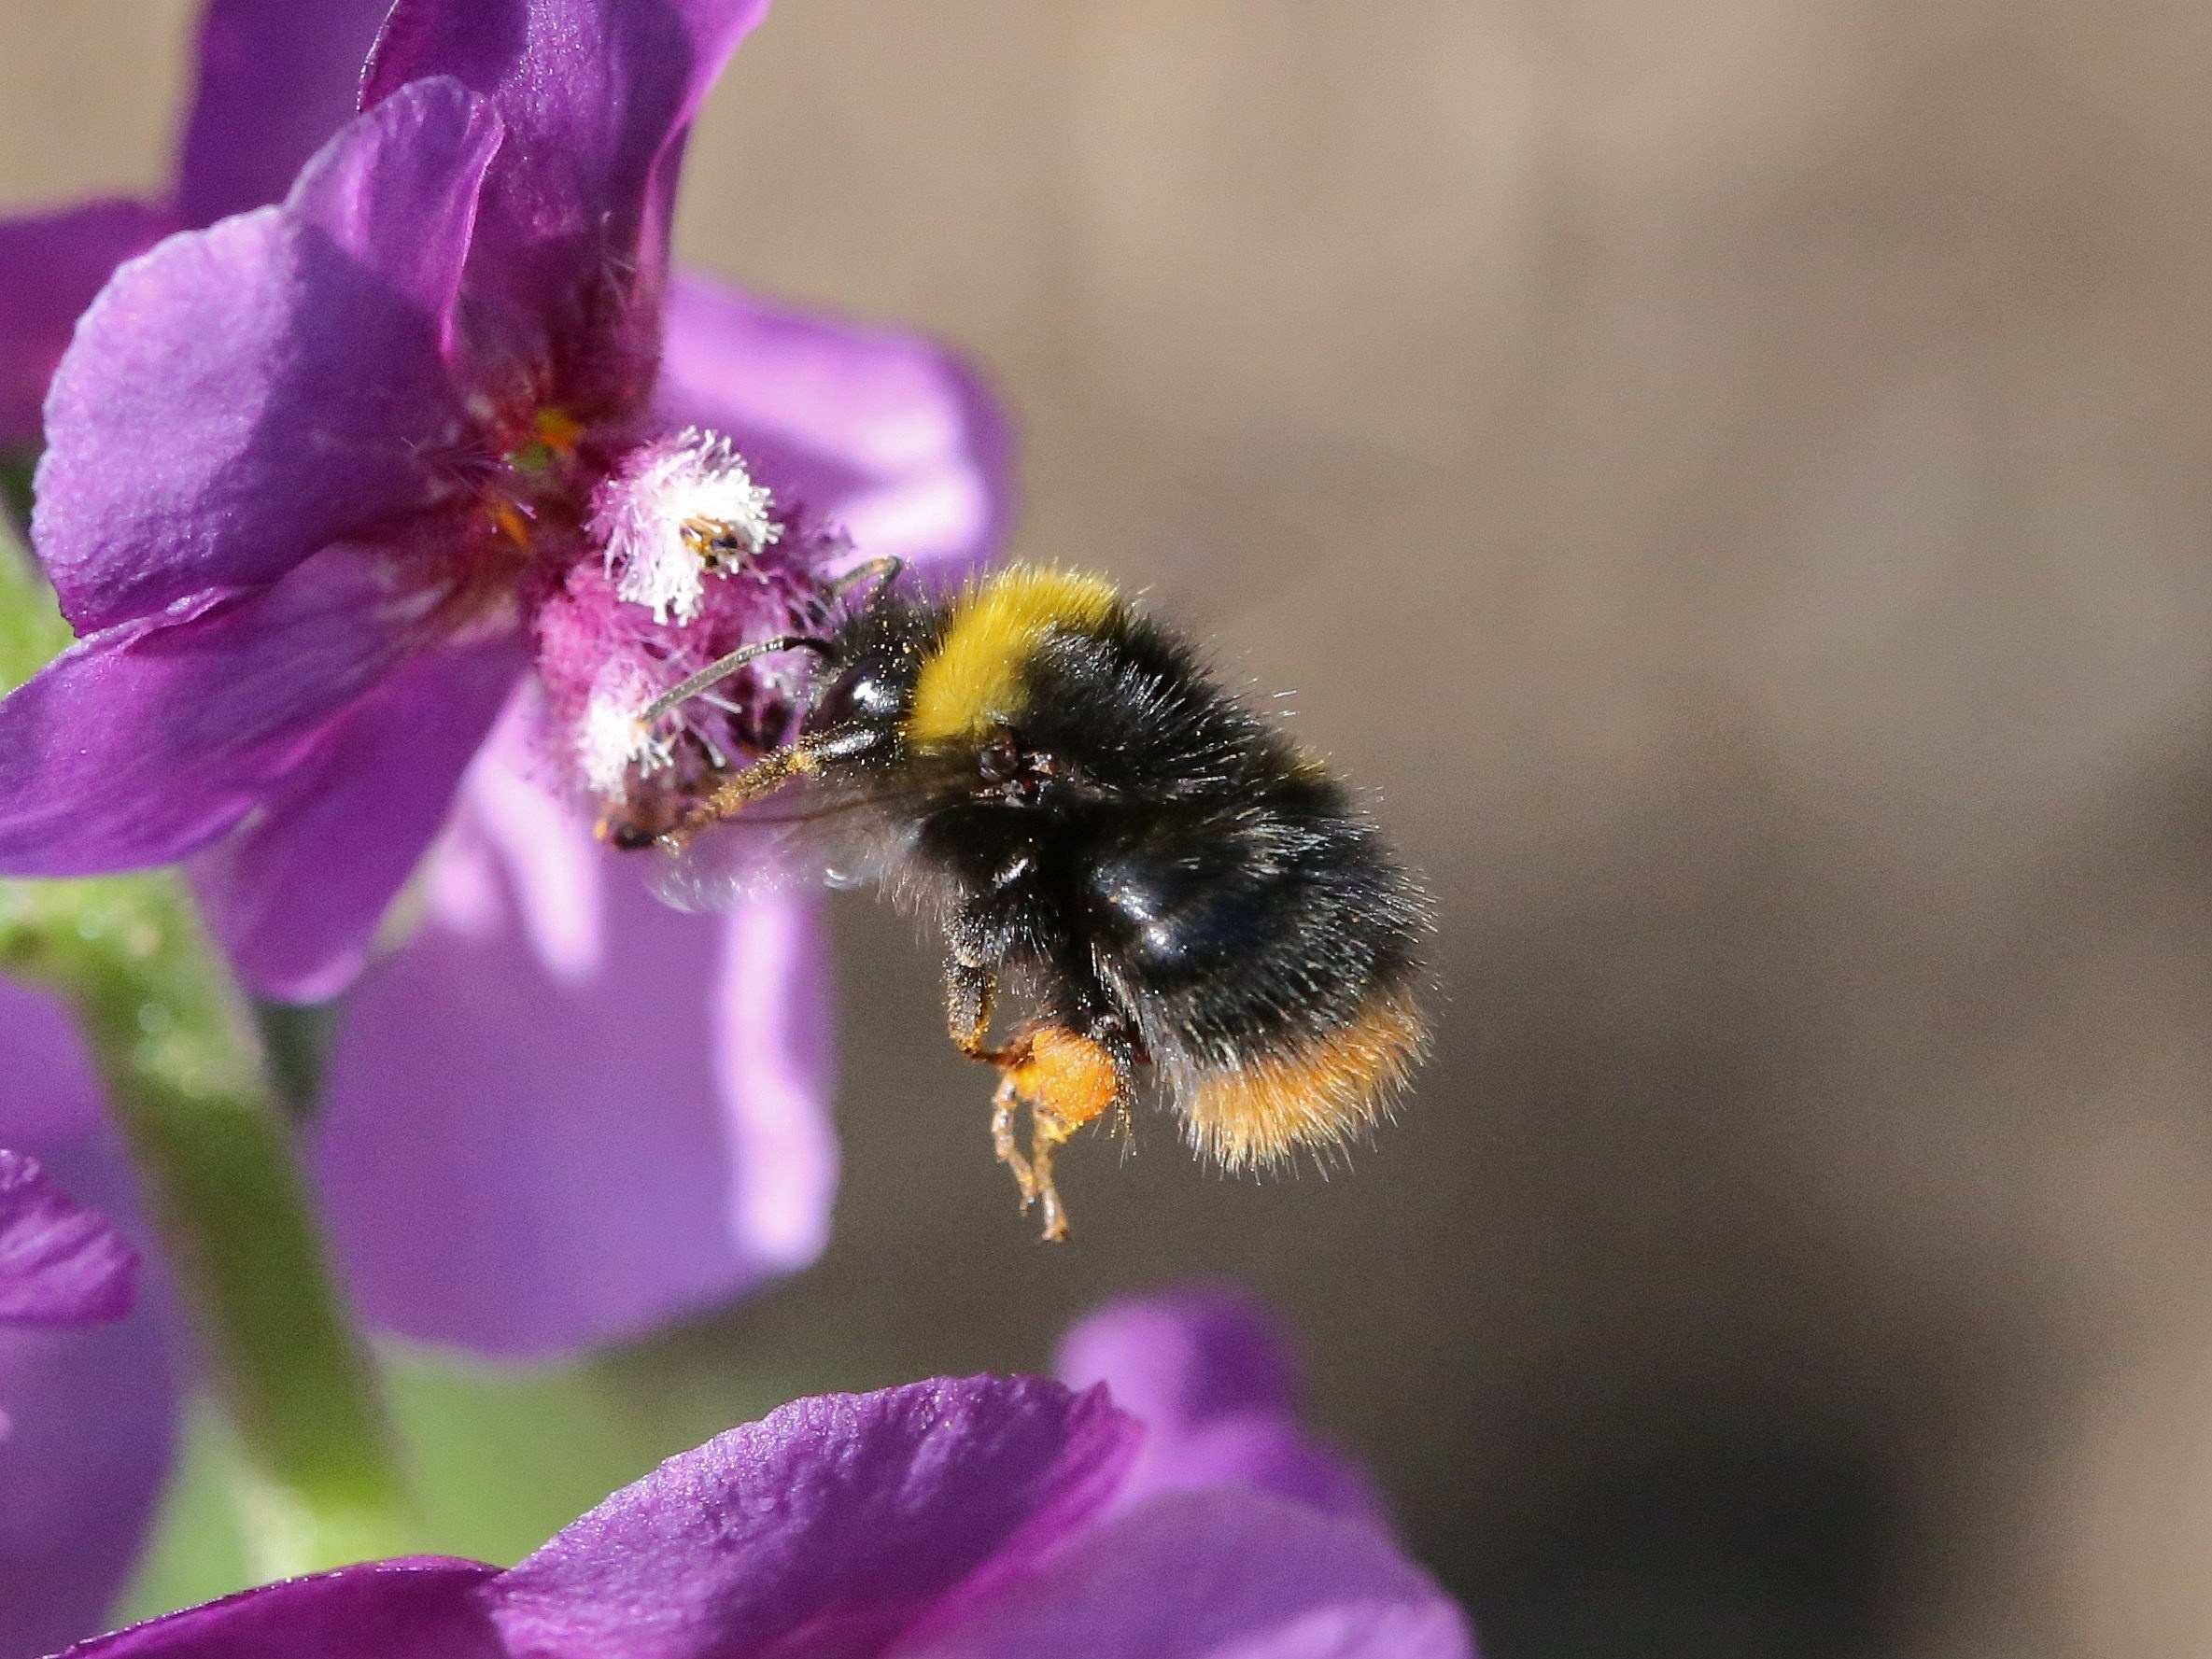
[(558, 430), (973, 682)]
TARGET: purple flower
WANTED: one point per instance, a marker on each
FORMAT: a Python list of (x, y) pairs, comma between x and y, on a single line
[(550, 1046), (324, 479), (560, 1113), (981, 1518)]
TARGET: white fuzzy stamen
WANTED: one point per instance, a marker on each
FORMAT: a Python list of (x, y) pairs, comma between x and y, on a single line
[(612, 736), (671, 514)]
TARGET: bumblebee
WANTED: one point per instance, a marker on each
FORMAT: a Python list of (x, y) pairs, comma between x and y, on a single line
[(1172, 885)]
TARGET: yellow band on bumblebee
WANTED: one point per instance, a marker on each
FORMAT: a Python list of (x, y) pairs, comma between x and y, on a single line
[(973, 680)]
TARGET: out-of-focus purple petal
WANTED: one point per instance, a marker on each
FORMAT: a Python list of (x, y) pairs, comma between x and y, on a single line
[(48, 1093), (564, 1113), (243, 394), (1202, 1352), (823, 1530), (296, 896), (277, 78), (59, 1263), (775, 1063), (142, 745), (887, 434), (1206, 1372), (599, 97), (420, 1608), (1232, 1574), (91, 1409), (55, 263)]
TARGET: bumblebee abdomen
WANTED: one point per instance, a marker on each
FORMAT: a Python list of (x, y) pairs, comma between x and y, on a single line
[(1316, 1087), (1271, 961)]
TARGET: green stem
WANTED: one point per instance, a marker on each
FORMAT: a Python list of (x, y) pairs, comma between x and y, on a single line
[(192, 1086), (175, 1044)]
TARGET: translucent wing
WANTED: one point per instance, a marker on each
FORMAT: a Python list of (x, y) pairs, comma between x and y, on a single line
[(800, 836)]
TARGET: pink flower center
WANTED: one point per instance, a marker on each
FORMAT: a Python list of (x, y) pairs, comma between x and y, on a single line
[(674, 557)]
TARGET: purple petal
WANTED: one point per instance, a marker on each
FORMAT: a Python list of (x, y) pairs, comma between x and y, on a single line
[(564, 1113), (55, 263), (91, 1411), (1211, 1575), (824, 1529), (1181, 1358), (423, 1608), (1206, 1372), (59, 1263), (599, 97), (142, 745), (397, 191), (775, 1064), (277, 78), (296, 896), (51, 1096), (887, 434), (247, 394)]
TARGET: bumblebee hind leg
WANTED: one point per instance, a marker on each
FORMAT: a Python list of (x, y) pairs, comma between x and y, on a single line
[(1067, 1080)]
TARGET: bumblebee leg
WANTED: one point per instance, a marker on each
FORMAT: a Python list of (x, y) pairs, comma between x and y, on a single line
[(969, 993), (1003, 1103), (762, 779), (772, 771), (1047, 1130), (1067, 1080)]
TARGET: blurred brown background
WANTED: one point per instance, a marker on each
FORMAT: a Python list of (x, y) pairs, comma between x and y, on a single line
[(1733, 476)]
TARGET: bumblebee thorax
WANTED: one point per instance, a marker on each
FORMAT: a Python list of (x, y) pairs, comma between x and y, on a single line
[(974, 681)]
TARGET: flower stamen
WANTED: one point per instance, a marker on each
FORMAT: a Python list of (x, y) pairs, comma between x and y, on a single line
[(509, 519), (558, 430), (674, 513), (613, 739)]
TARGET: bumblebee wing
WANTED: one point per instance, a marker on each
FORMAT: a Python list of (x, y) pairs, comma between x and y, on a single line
[(799, 838)]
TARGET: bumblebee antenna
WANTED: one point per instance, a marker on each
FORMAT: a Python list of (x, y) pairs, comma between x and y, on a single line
[(721, 669)]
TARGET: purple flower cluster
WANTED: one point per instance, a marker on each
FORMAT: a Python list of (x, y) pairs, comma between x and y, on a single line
[(1169, 1513), (322, 462), (389, 476), (325, 480)]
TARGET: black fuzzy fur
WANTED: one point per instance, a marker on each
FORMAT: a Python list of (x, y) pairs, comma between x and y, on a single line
[(1166, 872)]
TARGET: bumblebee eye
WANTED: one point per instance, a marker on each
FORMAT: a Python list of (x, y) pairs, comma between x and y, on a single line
[(860, 693)]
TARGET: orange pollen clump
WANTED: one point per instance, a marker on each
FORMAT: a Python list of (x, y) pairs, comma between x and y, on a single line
[(1066, 1074)]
